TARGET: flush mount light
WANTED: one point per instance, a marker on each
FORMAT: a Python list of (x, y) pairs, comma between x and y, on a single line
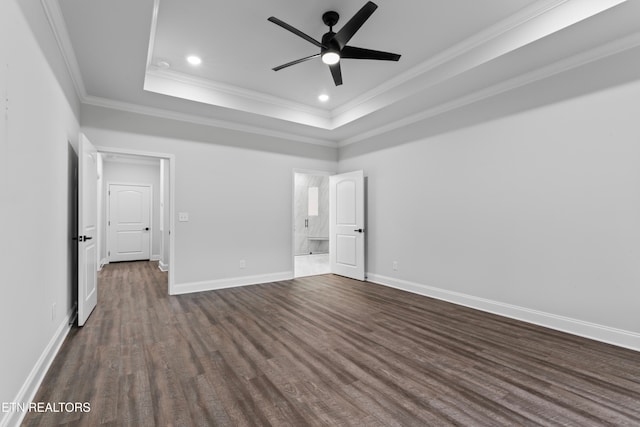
[(194, 60), (323, 97), (330, 57)]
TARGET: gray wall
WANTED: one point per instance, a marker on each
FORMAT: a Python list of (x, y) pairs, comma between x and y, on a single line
[(535, 215), (36, 125), (236, 187), (538, 213)]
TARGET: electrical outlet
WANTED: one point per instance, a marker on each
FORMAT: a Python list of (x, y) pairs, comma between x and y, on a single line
[(395, 265), (243, 263), (53, 311)]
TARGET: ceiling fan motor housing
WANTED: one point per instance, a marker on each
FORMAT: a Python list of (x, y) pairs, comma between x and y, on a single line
[(329, 42), (334, 45)]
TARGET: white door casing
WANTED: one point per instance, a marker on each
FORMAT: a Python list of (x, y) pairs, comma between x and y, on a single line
[(346, 223), (129, 222), (87, 229)]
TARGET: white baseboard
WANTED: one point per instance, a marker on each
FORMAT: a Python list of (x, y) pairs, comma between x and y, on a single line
[(232, 282), (103, 262), (32, 383), (163, 266), (618, 337)]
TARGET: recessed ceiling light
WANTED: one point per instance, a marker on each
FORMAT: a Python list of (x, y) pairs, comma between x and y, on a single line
[(323, 97), (194, 60)]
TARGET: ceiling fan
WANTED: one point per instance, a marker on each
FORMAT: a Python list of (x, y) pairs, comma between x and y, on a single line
[(333, 46)]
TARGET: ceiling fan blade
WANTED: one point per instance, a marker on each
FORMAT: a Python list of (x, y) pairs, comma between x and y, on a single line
[(336, 73), (344, 35), (295, 31), (351, 52), (297, 61)]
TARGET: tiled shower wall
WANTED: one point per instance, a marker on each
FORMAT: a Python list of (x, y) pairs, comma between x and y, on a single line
[(311, 232)]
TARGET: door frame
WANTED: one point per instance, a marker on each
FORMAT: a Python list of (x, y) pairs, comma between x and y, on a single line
[(172, 197), (293, 208), (131, 184)]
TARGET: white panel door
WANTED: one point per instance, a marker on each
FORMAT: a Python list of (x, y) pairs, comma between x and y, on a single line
[(87, 229), (346, 223), (129, 222)]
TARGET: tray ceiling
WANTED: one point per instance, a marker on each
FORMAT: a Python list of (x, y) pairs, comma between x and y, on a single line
[(132, 55)]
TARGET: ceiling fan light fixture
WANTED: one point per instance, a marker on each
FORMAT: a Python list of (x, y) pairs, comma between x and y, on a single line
[(330, 57), (194, 60)]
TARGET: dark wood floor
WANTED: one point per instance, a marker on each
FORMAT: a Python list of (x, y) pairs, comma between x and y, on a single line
[(325, 351)]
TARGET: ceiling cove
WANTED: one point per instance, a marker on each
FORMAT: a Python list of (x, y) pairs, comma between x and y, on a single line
[(342, 122), (530, 24)]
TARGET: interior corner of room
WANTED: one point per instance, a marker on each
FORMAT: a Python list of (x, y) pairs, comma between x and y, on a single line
[(516, 193)]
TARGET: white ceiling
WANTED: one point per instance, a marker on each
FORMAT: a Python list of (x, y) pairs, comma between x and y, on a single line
[(454, 52)]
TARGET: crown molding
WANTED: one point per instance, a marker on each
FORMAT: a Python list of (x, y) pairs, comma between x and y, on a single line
[(59, 28), (511, 33), (205, 121), (152, 38), (455, 51), (567, 64), (543, 18), (173, 83)]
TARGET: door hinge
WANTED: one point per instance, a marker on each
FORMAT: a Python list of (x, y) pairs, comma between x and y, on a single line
[(108, 253), (108, 222)]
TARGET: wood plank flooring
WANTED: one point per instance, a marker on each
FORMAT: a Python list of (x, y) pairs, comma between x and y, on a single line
[(324, 351)]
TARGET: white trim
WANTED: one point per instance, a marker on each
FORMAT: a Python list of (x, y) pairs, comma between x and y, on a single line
[(321, 117), (103, 262), (231, 282), (533, 11), (162, 266), (567, 64), (154, 29), (507, 35), (154, 257), (34, 380), (199, 120), (59, 27), (618, 337)]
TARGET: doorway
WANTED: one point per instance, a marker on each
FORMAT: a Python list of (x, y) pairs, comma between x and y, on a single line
[(157, 172), (328, 223), (311, 224)]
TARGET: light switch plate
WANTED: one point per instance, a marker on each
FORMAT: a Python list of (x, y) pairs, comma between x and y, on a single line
[(183, 216)]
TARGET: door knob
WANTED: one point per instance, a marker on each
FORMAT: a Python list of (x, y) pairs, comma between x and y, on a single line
[(146, 229), (359, 230)]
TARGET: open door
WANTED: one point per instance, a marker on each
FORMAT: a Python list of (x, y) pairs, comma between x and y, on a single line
[(87, 229), (346, 224)]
